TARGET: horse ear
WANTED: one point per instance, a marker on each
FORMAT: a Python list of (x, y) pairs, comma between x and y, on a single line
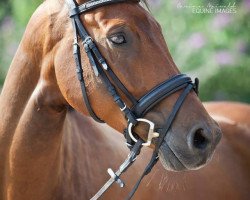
[(145, 4)]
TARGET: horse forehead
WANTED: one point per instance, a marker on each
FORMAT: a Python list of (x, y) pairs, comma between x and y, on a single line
[(127, 14)]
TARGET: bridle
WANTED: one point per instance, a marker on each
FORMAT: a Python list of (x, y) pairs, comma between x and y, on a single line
[(139, 107)]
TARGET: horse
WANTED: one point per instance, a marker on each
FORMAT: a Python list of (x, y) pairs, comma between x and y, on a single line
[(225, 177), (232, 155), (41, 90)]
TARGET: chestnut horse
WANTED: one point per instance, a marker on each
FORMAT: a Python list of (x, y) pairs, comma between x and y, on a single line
[(227, 176), (41, 148)]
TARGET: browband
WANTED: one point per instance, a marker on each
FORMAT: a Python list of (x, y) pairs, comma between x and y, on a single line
[(90, 5)]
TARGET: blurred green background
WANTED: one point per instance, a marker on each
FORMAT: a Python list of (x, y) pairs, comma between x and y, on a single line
[(207, 39)]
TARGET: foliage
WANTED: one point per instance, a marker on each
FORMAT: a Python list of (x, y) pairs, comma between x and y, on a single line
[(4, 8), (14, 16), (228, 83), (22, 10), (213, 46)]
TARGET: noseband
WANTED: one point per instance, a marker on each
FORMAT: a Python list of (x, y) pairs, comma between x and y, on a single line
[(139, 108)]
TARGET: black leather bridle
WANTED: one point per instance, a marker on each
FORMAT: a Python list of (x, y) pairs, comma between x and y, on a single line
[(140, 107)]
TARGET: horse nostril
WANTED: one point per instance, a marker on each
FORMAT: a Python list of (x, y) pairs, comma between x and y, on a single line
[(200, 141)]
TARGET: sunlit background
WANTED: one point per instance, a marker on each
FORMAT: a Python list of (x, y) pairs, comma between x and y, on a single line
[(207, 39)]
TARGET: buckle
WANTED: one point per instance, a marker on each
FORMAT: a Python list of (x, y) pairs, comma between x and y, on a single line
[(151, 132), (115, 177), (88, 40), (124, 108)]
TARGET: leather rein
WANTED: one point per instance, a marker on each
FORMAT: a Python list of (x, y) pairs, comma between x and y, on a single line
[(140, 107)]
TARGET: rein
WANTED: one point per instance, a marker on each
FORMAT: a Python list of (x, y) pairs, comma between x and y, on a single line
[(140, 107)]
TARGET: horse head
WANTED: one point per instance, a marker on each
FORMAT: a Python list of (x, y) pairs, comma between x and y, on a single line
[(132, 43)]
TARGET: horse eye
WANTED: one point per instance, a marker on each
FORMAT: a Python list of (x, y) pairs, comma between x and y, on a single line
[(118, 39)]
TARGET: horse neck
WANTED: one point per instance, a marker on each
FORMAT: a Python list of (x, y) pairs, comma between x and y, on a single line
[(88, 149), (32, 115), (233, 119), (31, 67)]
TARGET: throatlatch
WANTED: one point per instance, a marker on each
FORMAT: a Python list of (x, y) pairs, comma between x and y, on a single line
[(140, 107)]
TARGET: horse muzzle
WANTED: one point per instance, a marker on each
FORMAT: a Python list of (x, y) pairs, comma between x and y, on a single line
[(190, 152)]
